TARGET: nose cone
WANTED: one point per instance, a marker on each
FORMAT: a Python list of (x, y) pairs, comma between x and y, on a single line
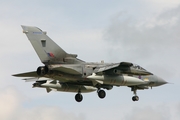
[(160, 81)]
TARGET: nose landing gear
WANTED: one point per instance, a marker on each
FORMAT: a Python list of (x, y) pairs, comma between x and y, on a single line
[(135, 97)]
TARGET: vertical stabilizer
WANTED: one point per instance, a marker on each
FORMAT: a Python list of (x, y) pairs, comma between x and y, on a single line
[(48, 51)]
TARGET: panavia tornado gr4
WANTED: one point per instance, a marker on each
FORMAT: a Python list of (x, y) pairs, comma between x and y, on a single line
[(65, 72)]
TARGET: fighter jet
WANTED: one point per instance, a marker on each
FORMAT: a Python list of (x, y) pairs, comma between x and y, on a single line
[(65, 72)]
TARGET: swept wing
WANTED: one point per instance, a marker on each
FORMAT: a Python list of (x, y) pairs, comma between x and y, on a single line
[(122, 68)]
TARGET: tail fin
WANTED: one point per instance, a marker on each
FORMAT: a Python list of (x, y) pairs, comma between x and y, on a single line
[(48, 51)]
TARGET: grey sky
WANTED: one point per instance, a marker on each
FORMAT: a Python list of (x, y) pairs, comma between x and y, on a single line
[(145, 32)]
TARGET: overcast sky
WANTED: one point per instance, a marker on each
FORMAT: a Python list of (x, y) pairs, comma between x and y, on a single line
[(145, 32)]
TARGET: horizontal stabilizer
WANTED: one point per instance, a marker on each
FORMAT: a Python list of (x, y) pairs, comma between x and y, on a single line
[(27, 74)]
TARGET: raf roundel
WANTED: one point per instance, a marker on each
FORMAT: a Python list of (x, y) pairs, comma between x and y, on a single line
[(51, 54)]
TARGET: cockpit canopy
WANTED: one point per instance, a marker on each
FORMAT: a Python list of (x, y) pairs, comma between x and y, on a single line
[(135, 66)]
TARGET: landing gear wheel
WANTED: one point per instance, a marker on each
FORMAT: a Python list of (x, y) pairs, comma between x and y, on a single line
[(101, 94), (135, 98), (78, 97)]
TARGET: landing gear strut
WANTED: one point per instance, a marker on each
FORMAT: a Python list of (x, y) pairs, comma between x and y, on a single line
[(101, 93), (135, 97)]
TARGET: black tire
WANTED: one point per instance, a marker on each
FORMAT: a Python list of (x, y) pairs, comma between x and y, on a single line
[(101, 94), (78, 97), (135, 98)]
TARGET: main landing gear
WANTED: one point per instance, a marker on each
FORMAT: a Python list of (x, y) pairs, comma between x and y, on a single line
[(101, 93), (79, 97), (135, 97)]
